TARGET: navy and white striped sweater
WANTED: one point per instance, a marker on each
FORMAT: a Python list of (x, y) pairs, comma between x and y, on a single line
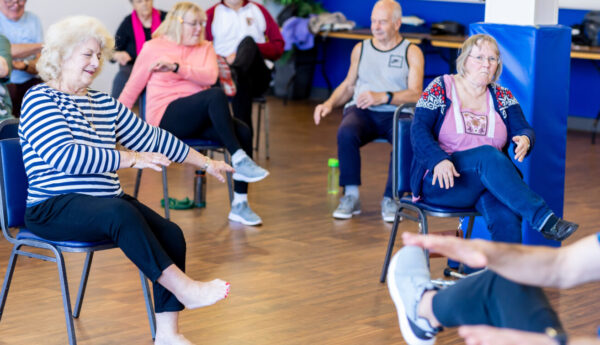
[(63, 153)]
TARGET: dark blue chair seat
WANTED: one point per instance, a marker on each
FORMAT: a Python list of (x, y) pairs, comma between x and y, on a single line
[(25, 234), (438, 211), (401, 160), (13, 194)]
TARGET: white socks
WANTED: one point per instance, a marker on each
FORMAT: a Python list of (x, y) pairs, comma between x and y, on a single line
[(238, 156), (351, 190), (239, 198)]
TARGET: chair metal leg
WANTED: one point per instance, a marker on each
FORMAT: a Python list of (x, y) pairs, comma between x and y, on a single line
[(258, 121), (83, 283), (165, 192), (461, 266), (264, 106), (138, 179), (64, 285), (227, 159), (390, 248), (149, 306), (424, 230), (10, 269)]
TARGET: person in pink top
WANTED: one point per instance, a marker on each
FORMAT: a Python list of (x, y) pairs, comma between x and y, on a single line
[(177, 68), (461, 132)]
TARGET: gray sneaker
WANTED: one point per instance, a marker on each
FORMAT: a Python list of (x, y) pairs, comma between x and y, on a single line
[(349, 205), (247, 170), (388, 209), (408, 279), (242, 213)]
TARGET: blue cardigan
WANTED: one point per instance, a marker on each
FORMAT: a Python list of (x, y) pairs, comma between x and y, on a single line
[(428, 119)]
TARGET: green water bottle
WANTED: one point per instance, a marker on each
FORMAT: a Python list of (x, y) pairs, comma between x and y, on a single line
[(333, 176)]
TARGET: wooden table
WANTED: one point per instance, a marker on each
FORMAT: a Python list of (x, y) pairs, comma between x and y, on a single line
[(453, 42)]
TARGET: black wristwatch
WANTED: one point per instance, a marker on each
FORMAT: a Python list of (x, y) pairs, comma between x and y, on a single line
[(559, 337), (390, 97), (176, 67)]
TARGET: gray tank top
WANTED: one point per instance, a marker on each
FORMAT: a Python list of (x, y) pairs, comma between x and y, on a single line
[(381, 71)]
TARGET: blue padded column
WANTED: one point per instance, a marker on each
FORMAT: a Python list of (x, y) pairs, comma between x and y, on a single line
[(536, 61)]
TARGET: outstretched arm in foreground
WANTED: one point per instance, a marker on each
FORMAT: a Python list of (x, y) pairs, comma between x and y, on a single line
[(563, 267)]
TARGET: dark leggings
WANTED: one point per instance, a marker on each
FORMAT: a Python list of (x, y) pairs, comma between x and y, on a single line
[(206, 115), (252, 79), (17, 92), (489, 299), (150, 241)]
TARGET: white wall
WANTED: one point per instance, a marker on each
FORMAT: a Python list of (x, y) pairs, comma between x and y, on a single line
[(110, 12)]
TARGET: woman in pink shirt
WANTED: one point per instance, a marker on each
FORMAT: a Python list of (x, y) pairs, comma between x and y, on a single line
[(177, 68)]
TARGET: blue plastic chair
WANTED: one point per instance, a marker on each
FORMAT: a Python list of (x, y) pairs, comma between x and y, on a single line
[(401, 161), (13, 193), (197, 144), (9, 128)]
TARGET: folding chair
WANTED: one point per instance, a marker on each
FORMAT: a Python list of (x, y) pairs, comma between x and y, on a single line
[(13, 193), (197, 144), (401, 161)]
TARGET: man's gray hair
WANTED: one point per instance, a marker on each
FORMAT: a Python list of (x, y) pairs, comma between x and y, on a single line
[(396, 8)]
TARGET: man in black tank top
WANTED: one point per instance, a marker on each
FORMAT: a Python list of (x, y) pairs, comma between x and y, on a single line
[(393, 75)]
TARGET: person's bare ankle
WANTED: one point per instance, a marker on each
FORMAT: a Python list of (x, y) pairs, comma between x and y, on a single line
[(171, 339), (425, 308), (202, 294)]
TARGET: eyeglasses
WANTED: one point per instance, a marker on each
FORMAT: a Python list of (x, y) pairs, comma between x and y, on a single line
[(480, 59), (201, 23), (10, 2)]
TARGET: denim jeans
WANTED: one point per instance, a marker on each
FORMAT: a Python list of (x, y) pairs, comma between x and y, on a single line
[(490, 182), (358, 128)]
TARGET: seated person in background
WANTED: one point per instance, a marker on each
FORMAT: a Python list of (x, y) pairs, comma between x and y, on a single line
[(134, 31), (24, 31), (5, 69), (177, 68), (245, 34), (385, 71), (506, 295), (71, 162), (461, 132)]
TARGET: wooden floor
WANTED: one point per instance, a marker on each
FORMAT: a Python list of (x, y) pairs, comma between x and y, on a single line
[(301, 278)]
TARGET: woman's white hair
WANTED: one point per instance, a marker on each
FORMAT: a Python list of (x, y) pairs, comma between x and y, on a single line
[(63, 36)]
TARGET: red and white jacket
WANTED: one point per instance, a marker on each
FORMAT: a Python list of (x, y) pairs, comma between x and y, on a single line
[(227, 27)]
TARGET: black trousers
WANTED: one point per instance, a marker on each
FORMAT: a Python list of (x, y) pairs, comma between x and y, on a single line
[(206, 115), (120, 80), (252, 78), (489, 299), (150, 241), (17, 92)]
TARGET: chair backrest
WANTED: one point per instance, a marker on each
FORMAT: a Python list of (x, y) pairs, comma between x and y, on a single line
[(13, 184), (402, 149), (9, 128)]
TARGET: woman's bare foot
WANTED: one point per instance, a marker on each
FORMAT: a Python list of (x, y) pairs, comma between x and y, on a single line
[(201, 294), (172, 339)]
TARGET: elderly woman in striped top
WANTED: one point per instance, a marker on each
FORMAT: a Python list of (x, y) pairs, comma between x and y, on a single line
[(69, 135)]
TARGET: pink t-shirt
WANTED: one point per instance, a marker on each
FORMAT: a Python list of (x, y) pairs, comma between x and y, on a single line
[(465, 129), (197, 71)]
